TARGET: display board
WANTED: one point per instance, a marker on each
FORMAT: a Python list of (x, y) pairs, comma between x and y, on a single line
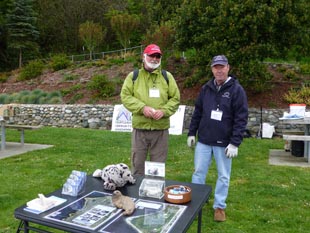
[(122, 120)]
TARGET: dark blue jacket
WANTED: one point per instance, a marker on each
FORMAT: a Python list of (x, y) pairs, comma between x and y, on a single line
[(232, 101)]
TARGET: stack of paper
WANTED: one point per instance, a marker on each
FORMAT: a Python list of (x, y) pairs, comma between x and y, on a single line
[(43, 203)]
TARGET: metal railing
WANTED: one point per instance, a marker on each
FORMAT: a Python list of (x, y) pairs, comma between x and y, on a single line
[(103, 55)]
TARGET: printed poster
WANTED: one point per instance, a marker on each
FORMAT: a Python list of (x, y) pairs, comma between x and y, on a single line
[(148, 217), (91, 211)]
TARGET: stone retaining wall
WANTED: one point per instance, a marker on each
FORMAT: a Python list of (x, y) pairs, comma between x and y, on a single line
[(100, 117)]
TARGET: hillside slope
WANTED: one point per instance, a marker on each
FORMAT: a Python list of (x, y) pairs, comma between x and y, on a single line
[(74, 82)]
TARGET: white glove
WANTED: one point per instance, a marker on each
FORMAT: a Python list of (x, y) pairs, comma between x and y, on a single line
[(191, 140), (231, 151)]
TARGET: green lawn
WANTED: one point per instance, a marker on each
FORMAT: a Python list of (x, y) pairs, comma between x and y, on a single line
[(262, 198)]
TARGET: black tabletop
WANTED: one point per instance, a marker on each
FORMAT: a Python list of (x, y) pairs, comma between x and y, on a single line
[(200, 195)]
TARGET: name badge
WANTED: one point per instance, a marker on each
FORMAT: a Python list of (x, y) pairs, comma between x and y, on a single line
[(154, 93), (216, 115)]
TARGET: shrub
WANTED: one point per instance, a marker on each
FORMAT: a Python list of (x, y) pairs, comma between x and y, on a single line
[(70, 90), (75, 98), (281, 69), (15, 98), (3, 98), (69, 77), (25, 99), (298, 96), (54, 94), (290, 75), (101, 86), (253, 75), (35, 97), (116, 61), (3, 77), (32, 70), (55, 100), (305, 68), (59, 62)]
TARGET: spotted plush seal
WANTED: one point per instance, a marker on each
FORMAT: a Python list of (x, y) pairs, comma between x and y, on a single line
[(115, 176)]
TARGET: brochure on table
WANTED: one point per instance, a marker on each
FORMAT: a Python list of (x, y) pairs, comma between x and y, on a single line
[(42, 203), (153, 184)]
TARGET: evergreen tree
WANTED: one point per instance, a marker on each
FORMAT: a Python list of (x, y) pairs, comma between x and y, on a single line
[(3, 54), (22, 32)]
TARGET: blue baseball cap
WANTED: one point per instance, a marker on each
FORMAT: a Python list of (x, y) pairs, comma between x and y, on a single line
[(219, 60)]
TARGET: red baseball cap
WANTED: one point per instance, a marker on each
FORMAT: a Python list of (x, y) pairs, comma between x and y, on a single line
[(152, 49)]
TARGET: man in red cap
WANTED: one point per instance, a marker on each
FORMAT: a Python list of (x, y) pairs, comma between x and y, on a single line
[(152, 100)]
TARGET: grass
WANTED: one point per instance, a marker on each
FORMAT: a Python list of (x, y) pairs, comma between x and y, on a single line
[(262, 198)]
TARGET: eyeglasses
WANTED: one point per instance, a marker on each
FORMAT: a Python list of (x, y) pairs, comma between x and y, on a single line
[(155, 55)]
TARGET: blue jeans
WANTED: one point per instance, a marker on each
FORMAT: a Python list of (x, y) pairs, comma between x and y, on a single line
[(203, 159)]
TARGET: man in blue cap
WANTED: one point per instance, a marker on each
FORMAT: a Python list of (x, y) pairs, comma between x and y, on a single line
[(219, 121)]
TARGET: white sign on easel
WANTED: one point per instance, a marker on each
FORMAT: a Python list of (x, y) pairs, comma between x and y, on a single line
[(122, 120)]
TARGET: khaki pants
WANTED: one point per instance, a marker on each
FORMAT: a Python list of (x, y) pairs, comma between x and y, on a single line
[(143, 141)]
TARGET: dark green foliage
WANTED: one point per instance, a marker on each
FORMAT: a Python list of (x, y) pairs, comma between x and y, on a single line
[(59, 62), (4, 64), (101, 86), (59, 20), (197, 77), (245, 31), (32, 70), (252, 74)]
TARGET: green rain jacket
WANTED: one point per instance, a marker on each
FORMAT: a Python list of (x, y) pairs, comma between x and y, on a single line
[(135, 95)]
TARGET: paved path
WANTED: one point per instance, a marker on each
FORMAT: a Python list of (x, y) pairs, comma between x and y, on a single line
[(15, 148), (280, 157)]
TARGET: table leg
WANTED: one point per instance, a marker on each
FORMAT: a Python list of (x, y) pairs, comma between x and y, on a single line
[(22, 133), (2, 136), (307, 144), (23, 226), (199, 221)]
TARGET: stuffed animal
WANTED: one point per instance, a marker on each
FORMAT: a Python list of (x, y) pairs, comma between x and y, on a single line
[(115, 176), (123, 202)]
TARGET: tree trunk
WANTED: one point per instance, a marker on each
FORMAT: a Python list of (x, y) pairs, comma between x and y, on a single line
[(20, 58)]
